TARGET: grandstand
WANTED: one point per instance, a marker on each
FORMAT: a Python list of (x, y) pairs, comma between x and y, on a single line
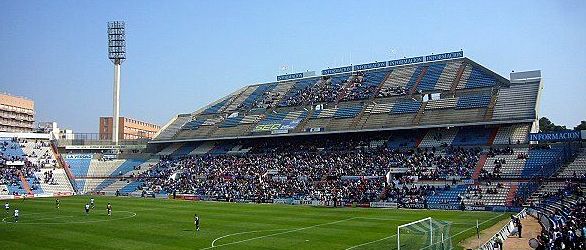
[(447, 134)]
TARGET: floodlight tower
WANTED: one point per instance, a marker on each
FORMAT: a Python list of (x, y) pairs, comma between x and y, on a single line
[(117, 54)]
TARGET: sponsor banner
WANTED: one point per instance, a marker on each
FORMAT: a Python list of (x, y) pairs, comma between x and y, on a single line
[(79, 156), (414, 206), (468, 181), (406, 61), (315, 129), (444, 206), (476, 208), (444, 56), (567, 135), (279, 131), (6, 197), (289, 76), (370, 65), (105, 147), (398, 170), (282, 201), (499, 209), (283, 125), (14, 163), (295, 75), (383, 204), (336, 70)]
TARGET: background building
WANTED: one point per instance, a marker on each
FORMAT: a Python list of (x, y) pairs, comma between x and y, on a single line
[(17, 114), (130, 129)]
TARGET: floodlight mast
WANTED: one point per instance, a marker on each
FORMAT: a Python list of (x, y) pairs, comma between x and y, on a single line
[(117, 54)]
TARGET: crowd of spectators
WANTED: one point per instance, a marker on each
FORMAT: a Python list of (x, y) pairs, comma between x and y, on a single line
[(568, 229), (15, 162), (345, 170), (388, 91)]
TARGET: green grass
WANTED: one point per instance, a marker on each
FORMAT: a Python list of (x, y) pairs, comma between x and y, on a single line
[(168, 224)]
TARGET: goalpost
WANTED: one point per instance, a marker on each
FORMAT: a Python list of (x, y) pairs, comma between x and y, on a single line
[(424, 234)]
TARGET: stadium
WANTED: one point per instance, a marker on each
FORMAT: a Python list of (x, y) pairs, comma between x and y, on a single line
[(432, 151)]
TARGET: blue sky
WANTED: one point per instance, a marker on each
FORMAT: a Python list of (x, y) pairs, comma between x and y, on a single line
[(185, 54)]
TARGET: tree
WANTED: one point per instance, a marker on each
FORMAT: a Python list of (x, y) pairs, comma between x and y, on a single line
[(545, 125), (581, 126)]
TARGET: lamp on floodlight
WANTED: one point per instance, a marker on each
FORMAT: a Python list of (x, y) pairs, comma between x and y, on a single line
[(117, 54)]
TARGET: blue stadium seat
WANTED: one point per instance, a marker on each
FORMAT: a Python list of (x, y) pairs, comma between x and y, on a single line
[(431, 76), (479, 79), (347, 112), (468, 136), (473, 101), (406, 107)]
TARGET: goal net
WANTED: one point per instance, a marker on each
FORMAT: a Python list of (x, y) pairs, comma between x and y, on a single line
[(426, 233)]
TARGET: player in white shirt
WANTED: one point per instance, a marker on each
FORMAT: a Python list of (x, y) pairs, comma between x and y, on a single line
[(7, 207), (92, 203), (16, 213), (87, 209)]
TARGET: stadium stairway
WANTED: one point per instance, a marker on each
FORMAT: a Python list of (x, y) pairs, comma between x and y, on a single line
[(511, 194), (419, 114), (492, 136), (380, 86), (414, 88), (24, 183), (490, 109), (479, 166), (458, 77), (61, 163)]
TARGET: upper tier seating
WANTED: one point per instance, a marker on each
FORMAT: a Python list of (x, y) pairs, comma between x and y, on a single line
[(216, 108), (448, 75), (516, 102), (479, 79), (473, 101), (431, 77), (443, 103), (256, 95), (397, 81), (298, 93), (170, 131), (365, 87), (404, 107)]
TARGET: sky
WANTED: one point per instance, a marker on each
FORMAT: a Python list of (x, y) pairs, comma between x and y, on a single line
[(183, 55)]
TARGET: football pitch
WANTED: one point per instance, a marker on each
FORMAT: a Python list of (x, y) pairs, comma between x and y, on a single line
[(168, 224)]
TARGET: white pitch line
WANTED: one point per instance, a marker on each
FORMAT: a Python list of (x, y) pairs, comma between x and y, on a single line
[(286, 232), (248, 232)]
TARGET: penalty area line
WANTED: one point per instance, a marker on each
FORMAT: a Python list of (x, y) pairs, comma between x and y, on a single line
[(247, 232), (275, 234)]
